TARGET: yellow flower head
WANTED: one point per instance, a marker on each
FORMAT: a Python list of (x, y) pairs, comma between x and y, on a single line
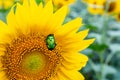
[(95, 6), (117, 10), (35, 45), (99, 6), (5, 4), (114, 6)]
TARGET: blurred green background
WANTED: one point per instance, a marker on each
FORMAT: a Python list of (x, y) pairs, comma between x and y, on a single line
[(104, 53)]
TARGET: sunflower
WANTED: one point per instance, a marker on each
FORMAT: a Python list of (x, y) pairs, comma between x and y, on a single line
[(114, 6), (35, 45), (99, 6), (95, 6), (59, 3), (5, 4), (117, 10)]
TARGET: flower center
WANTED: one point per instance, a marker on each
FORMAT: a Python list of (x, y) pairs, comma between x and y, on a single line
[(112, 6), (118, 16), (28, 58), (34, 61)]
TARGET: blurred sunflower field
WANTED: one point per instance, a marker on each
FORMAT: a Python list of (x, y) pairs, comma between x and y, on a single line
[(102, 18)]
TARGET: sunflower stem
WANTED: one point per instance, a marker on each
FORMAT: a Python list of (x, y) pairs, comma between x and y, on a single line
[(105, 24), (104, 39), (102, 65)]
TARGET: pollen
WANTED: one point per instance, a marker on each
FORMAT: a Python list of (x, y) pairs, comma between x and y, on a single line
[(28, 58)]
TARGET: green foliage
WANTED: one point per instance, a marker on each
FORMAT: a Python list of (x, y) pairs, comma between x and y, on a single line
[(104, 54), (98, 47), (39, 1), (91, 27)]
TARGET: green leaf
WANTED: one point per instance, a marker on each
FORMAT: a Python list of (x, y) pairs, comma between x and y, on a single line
[(38, 1), (107, 69), (98, 47), (91, 27)]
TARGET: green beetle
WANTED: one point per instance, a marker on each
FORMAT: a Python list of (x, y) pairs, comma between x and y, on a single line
[(50, 42)]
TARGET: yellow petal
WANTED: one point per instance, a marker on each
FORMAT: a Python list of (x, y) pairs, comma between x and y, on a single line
[(26, 3), (71, 75), (2, 75), (33, 4), (47, 12), (61, 76), (81, 35), (78, 46), (33, 11), (69, 27), (11, 18), (85, 44), (22, 18), (74, 61), (74, 37), (57, 19), (6, 34)]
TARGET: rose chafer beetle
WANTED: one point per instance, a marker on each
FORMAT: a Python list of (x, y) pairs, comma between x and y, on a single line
[(50, 42)]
